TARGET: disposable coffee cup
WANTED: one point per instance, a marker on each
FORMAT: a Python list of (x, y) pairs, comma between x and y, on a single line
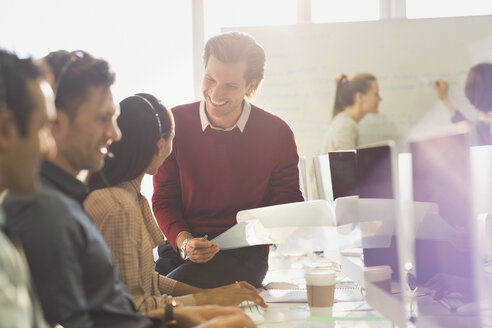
[(320, 285), (379, 276)]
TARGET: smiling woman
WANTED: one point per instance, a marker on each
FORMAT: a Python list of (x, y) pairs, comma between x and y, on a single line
[(355, 97)]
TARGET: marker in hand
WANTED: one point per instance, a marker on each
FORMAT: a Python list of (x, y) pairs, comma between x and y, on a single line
[(191, 252)]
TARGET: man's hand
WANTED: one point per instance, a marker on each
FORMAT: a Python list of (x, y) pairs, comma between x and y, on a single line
[(203, 250), (233, 294), (223, 317)]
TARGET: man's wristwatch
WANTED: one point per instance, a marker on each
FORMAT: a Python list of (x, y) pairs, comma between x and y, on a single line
[(169, 320), (182, 249)]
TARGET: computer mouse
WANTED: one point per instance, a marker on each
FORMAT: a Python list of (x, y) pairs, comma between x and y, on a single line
[(469, 309)]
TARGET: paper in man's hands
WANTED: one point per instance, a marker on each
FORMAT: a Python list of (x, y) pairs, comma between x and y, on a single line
[(275, 224)]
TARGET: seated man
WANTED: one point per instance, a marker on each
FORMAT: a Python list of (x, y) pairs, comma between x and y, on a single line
[(26, 102), (72, 267), (228, 155)]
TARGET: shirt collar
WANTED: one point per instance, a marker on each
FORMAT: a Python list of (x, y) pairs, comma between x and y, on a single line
[(241, 122), (66, 183)]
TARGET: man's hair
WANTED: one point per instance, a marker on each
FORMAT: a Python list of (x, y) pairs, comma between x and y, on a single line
[(14, 92), (347, 88), (478, 88), (74, 73), (236, 46), (140, 131)]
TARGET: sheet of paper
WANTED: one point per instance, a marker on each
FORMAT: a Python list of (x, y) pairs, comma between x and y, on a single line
[(314, 213), (275, 224)]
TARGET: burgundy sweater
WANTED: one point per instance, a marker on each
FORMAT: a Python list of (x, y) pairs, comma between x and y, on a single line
[(212, 174)]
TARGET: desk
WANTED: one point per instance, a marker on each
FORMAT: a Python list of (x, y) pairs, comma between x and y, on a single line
[(296, 315)]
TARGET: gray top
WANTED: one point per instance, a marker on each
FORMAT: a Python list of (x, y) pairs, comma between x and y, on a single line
[(72, 266), (18, 303), (342, 134)]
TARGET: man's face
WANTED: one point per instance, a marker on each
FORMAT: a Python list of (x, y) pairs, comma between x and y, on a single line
[(82, 141), (224, 88), (23, 161)]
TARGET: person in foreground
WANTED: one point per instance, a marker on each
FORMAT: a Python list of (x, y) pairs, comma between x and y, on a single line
[(477, 91), (123, 215), (355, 97), (72, 267), (26, 107), (228, 155)]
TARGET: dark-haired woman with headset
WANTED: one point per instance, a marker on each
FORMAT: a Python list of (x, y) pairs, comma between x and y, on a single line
[(123, 215), (355, 97)]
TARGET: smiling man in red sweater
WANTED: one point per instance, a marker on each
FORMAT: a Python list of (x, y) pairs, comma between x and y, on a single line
[(228, 156)]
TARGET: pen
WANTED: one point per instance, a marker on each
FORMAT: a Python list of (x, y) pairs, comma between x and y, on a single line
[(191, 252)]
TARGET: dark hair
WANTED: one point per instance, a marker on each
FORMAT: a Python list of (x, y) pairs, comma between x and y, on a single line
[(74, 73), (237, 46), (14, 92), (140, 133), (346, 88), (478, 88)]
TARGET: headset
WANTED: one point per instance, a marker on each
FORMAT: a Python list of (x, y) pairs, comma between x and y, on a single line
[(159, 124), (106, 182), (3, 87)]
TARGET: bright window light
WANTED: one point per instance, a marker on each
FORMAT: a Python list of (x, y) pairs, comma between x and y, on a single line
[(446, 8), (147, 43), (232, 13), (325, 11)]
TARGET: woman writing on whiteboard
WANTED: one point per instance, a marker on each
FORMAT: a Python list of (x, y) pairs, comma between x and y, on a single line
[(478, 91), (355, 97)]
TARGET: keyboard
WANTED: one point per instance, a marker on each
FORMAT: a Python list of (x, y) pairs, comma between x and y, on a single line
[(253, 311), (299, 295), (450, 303), (348, 294)]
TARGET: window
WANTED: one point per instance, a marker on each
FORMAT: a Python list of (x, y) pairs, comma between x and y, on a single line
[(231, 13), (324, 11), (446, 8), (148, 44)]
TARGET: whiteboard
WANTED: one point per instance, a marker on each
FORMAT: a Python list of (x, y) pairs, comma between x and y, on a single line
[(404, 55)]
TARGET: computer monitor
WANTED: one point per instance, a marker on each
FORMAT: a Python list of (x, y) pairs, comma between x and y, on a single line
[(343, 173), (444, 245), (376, 168), (442, 175), (375, 180)]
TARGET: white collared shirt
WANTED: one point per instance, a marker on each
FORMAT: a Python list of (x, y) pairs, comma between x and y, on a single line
[(241, 122)]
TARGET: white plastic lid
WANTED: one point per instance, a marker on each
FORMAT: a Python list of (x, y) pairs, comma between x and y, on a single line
[(378, 273), (320, 277)]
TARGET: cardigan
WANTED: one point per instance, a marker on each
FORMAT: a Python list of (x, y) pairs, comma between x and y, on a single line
[(123, 216)]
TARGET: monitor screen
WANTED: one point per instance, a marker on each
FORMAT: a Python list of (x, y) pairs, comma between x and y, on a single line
[(442, 175), (374, 172), (375, 180), (343, 173)]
